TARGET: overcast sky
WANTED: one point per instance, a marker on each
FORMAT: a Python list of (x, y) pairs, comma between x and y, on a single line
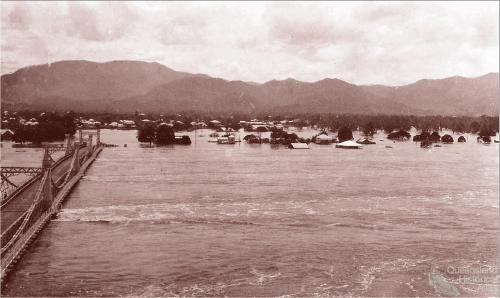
[(363, 43)]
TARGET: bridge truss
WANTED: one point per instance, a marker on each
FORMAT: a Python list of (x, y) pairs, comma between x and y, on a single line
[(47, 199), (7, 186)]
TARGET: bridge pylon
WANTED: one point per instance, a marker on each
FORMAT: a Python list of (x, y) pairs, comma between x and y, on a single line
[(47, 159), (69, 148), (90, 146), (75, 164)]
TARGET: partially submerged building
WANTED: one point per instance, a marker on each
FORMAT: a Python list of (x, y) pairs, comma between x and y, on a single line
[(349, 145), (298, 146)]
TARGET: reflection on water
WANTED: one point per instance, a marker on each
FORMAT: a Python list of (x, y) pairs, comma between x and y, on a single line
[(261, 220)]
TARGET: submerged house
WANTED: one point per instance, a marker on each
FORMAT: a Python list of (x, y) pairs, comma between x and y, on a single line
[(227, 139), (252, 139), (183, 140), (323, 139), (365, 141), (349, 145), (214, 124), (127, 124), (6, 134), (298, 146)]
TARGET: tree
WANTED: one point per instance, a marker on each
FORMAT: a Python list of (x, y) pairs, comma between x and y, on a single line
[(261, 129), (69, 123), (447, 139), (21, 134), (369, 129), (435, 137), (277, 133), (425, 135), (50, 128), (458, 127), (165, 134), (486, 131), (146, 134), (344, 134), (292, 137), (474, 126), (390, 125), (400, 135)]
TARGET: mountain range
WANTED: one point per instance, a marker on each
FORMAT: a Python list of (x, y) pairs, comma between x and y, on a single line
[(128, 86)]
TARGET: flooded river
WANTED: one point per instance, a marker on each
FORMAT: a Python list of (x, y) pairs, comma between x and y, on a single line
[(260, 220)]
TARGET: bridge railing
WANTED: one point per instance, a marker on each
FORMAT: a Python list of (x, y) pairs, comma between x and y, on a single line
[(20, 189), (9, 256), (40, 212), (43, 200), (11, 230), (32, 180), (17, 227)]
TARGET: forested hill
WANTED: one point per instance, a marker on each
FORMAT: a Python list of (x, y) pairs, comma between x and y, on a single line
[(127, 86)]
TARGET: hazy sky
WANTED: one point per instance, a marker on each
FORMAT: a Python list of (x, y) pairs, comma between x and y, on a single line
[(365, 43)]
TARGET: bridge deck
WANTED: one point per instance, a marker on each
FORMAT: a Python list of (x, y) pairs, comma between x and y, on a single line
[(21, 203)]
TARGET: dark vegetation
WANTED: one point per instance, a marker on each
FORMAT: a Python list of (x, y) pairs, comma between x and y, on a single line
[(52, 126), (162, 134), (369, 124), (253, 139), (280, 136), (400, 135), (344, 134), (448, 139), (165, 134), (147, 134)]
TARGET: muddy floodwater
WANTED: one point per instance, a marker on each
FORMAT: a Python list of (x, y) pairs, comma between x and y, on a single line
[(262, 220)]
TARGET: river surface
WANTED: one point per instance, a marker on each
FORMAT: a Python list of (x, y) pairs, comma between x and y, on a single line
[(262, 220)]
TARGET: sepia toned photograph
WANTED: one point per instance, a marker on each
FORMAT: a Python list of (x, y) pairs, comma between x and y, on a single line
[(249, 149)]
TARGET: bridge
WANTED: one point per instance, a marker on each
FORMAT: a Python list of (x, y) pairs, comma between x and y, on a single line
[(26, 208)]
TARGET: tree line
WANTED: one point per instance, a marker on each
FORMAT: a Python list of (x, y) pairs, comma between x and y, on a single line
[(51, 127), (365, 123), (161, 134)]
